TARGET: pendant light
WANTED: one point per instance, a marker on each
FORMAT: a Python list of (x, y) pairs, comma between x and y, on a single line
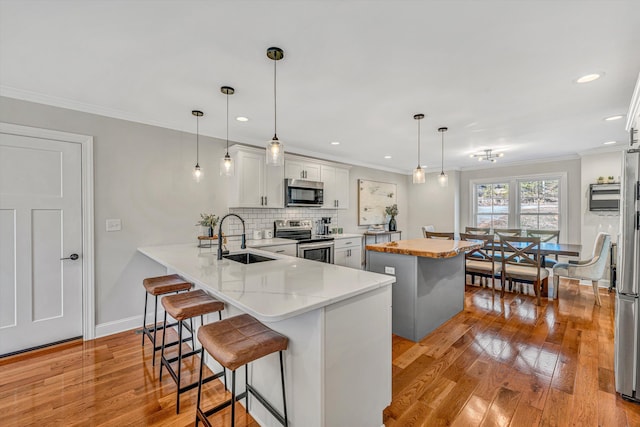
[(197, 173), (443, 179), (275, 148), (418, 173), (226, 163)]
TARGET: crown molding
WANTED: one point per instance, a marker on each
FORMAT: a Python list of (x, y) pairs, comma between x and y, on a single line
[(523, 162), (634, 106), (604, 149)]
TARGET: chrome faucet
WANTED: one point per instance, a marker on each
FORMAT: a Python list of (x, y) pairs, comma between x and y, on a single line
[(243, 244)]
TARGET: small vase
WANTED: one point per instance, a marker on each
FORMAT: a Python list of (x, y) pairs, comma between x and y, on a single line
[(210, 232), (392, 224)]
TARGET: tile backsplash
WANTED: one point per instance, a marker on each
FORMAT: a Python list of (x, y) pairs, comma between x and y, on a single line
[(262, 219)]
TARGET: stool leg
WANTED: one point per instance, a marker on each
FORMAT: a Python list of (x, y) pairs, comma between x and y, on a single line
[(233, 398), (193, 343), (164, 331), (246, 385), (224, 370), (179, 365), (199, 385), (284, 396), (144, 317), (155, 324)]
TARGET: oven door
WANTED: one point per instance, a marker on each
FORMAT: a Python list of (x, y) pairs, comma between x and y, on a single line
[(322, 251)]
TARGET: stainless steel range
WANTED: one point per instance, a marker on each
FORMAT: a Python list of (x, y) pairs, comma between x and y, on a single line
[(317, 248)]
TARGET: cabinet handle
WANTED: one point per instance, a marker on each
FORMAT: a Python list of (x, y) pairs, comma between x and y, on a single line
[(349, 243), (265, 201), (280, 251), (261, 200)]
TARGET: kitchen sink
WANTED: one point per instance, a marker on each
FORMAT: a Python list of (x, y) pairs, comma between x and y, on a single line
[(247, 258)]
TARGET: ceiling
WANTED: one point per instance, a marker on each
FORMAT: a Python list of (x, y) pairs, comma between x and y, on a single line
[(499, 74)]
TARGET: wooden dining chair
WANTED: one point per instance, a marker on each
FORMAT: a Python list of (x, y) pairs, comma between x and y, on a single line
[(508, 231), (481, 262), (427, 228), (477, 230), (521, 262), (439, 235), (551, 236)]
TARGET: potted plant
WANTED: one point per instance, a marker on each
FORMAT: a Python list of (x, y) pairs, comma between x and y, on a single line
[(601, 180), (392, 211), (611, 179), (208, 221)]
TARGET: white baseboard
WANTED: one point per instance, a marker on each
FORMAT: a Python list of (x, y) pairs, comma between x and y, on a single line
[(117, 326)]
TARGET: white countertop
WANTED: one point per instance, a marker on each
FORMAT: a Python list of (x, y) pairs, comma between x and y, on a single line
[(276, 241), (347, 236), (272, 290)]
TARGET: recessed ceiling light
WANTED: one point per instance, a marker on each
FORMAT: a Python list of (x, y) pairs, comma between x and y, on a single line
[(242, 119), (609, 142), (589, 78), (387, 157), (335, 143), (609, 119)]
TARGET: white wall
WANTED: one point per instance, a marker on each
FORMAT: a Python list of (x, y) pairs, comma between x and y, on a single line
[(143, 175), (593, 166), (571, 167), (431, 204)]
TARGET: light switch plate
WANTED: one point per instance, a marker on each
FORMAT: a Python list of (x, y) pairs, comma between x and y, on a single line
[(389, 270), (114, 225)]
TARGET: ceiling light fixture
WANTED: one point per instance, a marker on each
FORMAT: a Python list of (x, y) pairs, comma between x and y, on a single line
[(197, 172), (609, 142), (418, 173), (335, 143), (443, 179), (612, 118), (275, 149), (226, 163), (387, 157), (242, 119), (589, 77), (488, 155)]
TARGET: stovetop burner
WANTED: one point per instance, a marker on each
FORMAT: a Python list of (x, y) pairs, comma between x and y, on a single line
[(297, 229)]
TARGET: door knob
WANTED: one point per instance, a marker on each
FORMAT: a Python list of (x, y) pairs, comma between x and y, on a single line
[(72, 257)]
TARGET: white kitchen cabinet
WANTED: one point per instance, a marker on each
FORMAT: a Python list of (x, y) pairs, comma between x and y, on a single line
[(254, 184), (348, 252), (288, 249), (296, 168), (336, 187)]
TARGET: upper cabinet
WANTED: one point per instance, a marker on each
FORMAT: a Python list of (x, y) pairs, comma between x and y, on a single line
[(254, 184), (296, 168), (336, 186)]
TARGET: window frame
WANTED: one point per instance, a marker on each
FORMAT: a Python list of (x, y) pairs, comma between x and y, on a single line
[(514, 197)]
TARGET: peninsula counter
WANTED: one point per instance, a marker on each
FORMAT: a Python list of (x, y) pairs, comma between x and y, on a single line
[(337, 319), (430, 281)]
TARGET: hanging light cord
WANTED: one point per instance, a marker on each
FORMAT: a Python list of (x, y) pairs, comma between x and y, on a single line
[(442, 154), (418, 143), (275, 102), (227, 124), (197, 140)]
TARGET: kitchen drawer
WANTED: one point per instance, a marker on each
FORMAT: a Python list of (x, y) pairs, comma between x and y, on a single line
[(348, 243), (288, 249)]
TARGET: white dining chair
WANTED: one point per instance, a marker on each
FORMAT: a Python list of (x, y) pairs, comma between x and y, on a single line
[(590, 269), (426, 229)]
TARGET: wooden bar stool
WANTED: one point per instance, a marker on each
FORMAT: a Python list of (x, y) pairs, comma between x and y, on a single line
[(184, 307), (235, 342), (159, 286)]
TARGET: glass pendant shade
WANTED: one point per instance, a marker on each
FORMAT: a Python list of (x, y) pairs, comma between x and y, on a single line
[(197, 173), (275, 152), (443, 179), (418, 175), (226, 166)]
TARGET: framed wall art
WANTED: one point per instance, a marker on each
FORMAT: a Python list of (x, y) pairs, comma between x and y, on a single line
[(373, 197)]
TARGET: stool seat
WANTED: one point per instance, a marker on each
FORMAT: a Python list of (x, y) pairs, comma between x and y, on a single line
[(238, 340), (165, 284), (191, 304)]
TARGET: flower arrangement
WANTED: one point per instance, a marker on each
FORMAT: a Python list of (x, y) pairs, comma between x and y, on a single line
[(207, 220), (392, 210)]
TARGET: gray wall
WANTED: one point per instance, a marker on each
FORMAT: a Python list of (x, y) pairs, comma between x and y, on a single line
[(571, 167), (143, 176), (434, 205)]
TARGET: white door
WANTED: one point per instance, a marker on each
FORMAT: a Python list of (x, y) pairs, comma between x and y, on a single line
[(40, 223)]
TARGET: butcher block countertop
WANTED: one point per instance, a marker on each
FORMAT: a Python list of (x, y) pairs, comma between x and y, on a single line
[(427, 248)]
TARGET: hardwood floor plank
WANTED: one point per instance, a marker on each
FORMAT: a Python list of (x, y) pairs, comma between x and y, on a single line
[(472, 413), (501, 410), (526, 416)]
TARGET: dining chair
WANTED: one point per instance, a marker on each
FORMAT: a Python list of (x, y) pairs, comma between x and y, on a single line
[(551, 236), (521, 262), (481, 262), (426, 228), (439, 235), (590, 269), (508, 231), (477, 230)]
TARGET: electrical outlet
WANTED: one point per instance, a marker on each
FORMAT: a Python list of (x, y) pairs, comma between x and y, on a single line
[(114, 225), (389, 270)]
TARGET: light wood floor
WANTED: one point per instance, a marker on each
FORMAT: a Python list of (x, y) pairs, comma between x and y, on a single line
[(499, 363)]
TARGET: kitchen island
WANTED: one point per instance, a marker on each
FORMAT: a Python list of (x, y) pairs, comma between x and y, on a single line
[(430, 281), (337, 319)]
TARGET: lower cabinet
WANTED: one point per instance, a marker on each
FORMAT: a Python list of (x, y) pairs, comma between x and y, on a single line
[(348, 252), (288, 249)]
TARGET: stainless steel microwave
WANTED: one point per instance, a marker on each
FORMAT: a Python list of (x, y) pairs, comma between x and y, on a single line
[(300, 192)]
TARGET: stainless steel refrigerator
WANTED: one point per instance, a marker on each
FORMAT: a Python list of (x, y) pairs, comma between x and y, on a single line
[(627, 332)]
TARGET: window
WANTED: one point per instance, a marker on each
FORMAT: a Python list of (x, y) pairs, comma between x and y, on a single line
[(492, 205), (539, 204), (527, 202)]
